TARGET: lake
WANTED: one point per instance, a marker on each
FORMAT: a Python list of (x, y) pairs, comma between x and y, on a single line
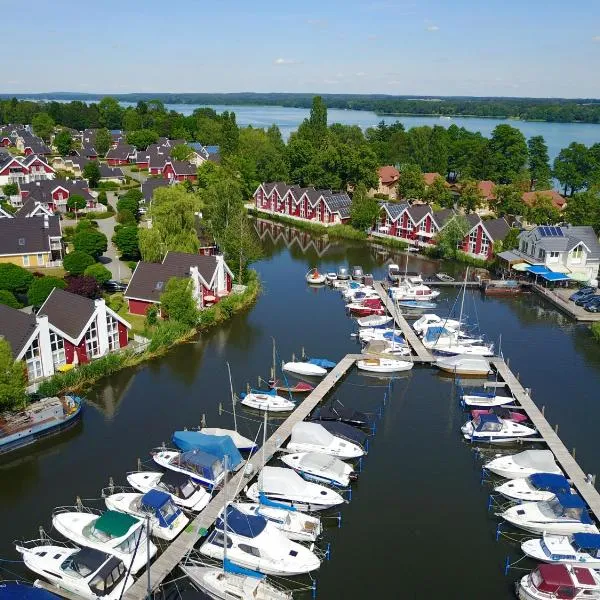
[(417, 525)]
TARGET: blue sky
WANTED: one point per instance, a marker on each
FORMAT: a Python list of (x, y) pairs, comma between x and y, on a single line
[(459, 47)]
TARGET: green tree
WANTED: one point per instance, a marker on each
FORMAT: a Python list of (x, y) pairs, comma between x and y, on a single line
[(177, 302), (572, 167), (511, 241), (439, 194), (542, 210), (126, 240), (110, 112), (240, 243), (8, 299), (182, 152), (209, 174), (103, 141), (314, 129), (91, 172), (43, 125), (539, 164), (508, 153), (151, 245), (142, 138), (102, 199), (411, 185), (583, 208), (451, 235), (129, 202), (509, 200), (10, 189), (76, 202), (91, 242), (99, 272), (126, 217), (363, 210), (299, 154), (470, 198), (76, 262), (132, 120), (221, 201), (12, 378), (230, 134), (14, 278), (41, 288), (63, 142)]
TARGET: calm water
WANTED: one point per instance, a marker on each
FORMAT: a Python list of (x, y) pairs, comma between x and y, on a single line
[(418, 518)]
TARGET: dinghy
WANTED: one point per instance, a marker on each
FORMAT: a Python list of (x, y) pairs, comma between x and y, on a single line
[(485, 400), (293, 524), (550, 582), (490, 428), (313, 277), (523, 464), (463, 365), (166, 520), (538, 487), (85, 572), (199, 466), (286, 486), (374, 320), (304, 368), (255, 543), (243, 444), (564, 514), (321, 468), (384, 365), (112, 532), (331, 277), (300, 388), (444, 277), (579, 549), (503, 413), (313, 437), (339, 412), (266, 400), (184, 491)]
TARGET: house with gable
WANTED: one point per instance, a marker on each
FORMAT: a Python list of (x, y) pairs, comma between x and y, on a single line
[(416, 224), (24, 169), (179, 170), (482, 235), (121, 154), (55, 194)]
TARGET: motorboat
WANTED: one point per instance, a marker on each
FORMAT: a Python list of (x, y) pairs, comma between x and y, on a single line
[(339, 412), (416, 304), (313, 277), (386, 349), (184, 491), (559, 582), (463, 365), (220, 446), (370, 334), (309, 436), (485, 400), (321, 468), (342, 273), (384, 365), (199, 466), (364, 310), (361, 296), (86, 572), (243, 444), (538, 487), (304, 368), (503, 413), (283, 485), (444, 277), (347, 432), (424, 321), (301, 387), (294, 524), (578, 549), (22, 590), (331, 277), (374, 321), (255, 543), (358, 273), (564, 514), (267, 400), (440, 339), (491, 428), (412, 291), (393, 273), (112, 532), (230, 583), (523, 464), (167, 521), (465, 350)]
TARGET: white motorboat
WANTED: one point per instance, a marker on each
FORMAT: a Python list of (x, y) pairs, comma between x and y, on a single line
[(112, 532), (463, 365), (388, 349), (294, 524), (86, 572), (564, 514), (321, 468), (465, 350), (428, 319), (255, 543), (485, 400), (269, 401), (167, 521), (313, 437), (359, 295), (286, 486), (439, 338), (394, 273), (413, 291), (313, 277), (582, 549), (342, 273), (370, 334), (243, 444), (331, 277), (183, 489), (550, 582), (384, 365), (199, 466), (492, 429), (304, 368), (538, 487), (373, 320), (221, 584), (523, 464)]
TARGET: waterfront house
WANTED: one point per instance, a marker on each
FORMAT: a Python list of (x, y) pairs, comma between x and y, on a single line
[(24, 169), (121, 154), (482, 235), (210, 276), (54, 194)]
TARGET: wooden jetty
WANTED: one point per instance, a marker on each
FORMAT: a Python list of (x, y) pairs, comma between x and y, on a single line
[(570, 308), (423, 355)]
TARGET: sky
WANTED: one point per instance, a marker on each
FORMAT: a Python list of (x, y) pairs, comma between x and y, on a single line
[(540, 48)]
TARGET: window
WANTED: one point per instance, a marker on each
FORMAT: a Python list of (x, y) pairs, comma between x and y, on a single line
[(577, 254), (249, 550), (423, 226), (40, 260), (57, 345), (91, 341), (542, 254), (485, 246), (472, 241), (553, 254), (26, 260), (302, 211), (319, 211), (112, 327), (33, 360)]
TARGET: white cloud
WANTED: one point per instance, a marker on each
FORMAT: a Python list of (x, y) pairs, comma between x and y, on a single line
[(285, 61), (433, 28)]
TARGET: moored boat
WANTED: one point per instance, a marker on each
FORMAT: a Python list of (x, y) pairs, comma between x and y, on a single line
[(266, 400), (503, 413), (242, 443), (374, 320), (304, 368), (538, 487), (342, 273), (430, 319), (416, 304), (384, 365), (358, 273), (321, 468), (301, 387), (485, 400), (523, 464), (331, 277), (490, 428), (578, 549), (560, 582), (308, 436), (199, 466), (463, 365), (444, 277), (313, 277), (21, 590), (338, 412)]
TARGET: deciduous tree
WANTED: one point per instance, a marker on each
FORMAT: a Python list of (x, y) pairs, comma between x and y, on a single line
[(43, 125), (76, 262), (91, 242), (583, 208), (572, 167), (451, 235), (142, 138), (63, 142), (411, 185), (41, 287), (363, 210), (470, 198), (12, 378), (84, 285), (177, 301), (438, 193), (509, 200), (14, 278), (76, 202), (182, 152), (126, 240), (91, 172), (508, 153), (539, 164), (103, 141), (542, 210)]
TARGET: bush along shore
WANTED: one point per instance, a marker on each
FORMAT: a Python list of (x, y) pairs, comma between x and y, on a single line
[(166, 334)]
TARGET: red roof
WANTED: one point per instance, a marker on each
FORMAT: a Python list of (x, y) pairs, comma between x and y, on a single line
[(487, 188), (388, 175), (557, 199), (429, 178)]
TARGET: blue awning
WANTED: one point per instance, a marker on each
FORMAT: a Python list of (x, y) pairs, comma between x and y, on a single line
[(551, 276), (220, 446), (589, 541), (155, 499), (242, 524), (550, 482), (538, 269)]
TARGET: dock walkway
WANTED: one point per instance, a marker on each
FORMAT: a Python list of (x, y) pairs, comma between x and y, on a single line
[(569, 465), (423, 355)]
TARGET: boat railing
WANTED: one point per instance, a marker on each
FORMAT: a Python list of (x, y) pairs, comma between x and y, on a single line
[(118, 489), (77, 508), (46, 540)]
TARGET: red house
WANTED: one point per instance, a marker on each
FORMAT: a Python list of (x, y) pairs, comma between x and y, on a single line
[(479, 241), (5, 141), (121, 154), (179, 170), (54, 194)]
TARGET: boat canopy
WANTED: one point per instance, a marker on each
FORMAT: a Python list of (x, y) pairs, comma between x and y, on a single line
[(230, 567), (488, 422), (175, 480), (270, 392), (221, 446), (201, 463), (553, 578), (589, 542), (322, 362), (248, 526), (542, 460), (155, 499), (311, 433), (278, 480), (265, 501), (550, 482), (323, 462), (115, 524), (16, 590), (570, 506), (346, 431), (391, 336)]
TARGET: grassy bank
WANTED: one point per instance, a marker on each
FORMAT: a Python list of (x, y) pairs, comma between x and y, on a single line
[(595, 329), (460, 257)]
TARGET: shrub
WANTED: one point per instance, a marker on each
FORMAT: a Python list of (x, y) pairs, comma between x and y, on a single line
[(102, 198), (14, 278), (8, 298), (76, 262), (126, 217), (345, 232), (90, 242), (83, 285), (151, 315), (10, 189), (166, 334), (40, 289), (116, 302), (99, 272)]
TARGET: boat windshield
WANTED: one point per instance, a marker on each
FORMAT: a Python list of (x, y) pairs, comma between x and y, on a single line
[(169, 512), (75, 568), (128, 545), (104, 581), (187, 489), (554, 508)]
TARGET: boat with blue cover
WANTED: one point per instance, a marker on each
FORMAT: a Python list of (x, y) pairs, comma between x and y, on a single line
[(221, 446), (204, 468), (492, 429), (19, 590), (535, 488), (40, 419), (577, 549)]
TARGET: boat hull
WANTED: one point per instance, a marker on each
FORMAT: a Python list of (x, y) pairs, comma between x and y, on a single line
[(302, 504), (301, 368), (533, 549), (389, 366)]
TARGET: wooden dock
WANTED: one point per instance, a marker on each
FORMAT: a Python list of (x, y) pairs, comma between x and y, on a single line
[(564, 458), (423, 355), (564, 305), (177, 550)]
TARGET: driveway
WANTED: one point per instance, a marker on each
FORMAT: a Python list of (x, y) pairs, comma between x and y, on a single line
[(141, 177)]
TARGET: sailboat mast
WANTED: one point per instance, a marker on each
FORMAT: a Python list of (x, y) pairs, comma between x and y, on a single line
[(232, 397), (225, 512), (273, 374), (462, 302)]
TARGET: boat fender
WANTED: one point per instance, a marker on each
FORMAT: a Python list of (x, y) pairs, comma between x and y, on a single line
[(242, 395)]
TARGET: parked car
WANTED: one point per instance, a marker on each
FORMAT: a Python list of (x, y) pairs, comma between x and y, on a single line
[(593, 304), (585, 299), (582, 293), (115, 286)]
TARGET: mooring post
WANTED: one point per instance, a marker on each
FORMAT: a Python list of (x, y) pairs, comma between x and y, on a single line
[(139, 464), (544, 410), (556, 429), (574, 452), (203, 421)]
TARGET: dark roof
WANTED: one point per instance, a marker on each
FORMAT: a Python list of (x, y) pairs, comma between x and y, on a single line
[(443, 216), (22, 236), (106, 171), (28, 160), (150, 185), (68, 312), (418, 211), (182, 167), (16, 327), (181, 263), (121, 152), (339, 203), (394, 209), (88, 150), (42, 190), (497, 228), (29, 205)]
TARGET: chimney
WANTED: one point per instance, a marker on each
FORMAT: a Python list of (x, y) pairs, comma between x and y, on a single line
[(37, 183), (46, 222)]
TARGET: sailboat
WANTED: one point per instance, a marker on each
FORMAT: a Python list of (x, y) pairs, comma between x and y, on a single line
[(266, 400)]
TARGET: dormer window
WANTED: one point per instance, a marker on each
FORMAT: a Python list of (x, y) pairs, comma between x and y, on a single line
[(21, 241)]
